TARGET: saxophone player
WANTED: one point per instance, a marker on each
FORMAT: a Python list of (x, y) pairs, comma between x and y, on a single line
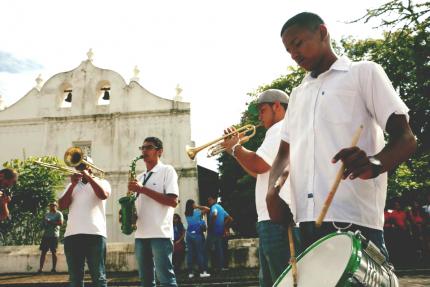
[(85, 237), (158, 192)]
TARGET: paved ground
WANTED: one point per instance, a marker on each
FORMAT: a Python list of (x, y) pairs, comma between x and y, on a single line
[(232, 277)]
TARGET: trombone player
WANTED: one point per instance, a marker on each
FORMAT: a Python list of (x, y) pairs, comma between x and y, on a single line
[(85, 237), (273, 244)]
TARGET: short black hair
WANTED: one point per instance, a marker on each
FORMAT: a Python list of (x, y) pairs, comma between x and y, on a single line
[(304, 19), (156, 141), (9, 173)]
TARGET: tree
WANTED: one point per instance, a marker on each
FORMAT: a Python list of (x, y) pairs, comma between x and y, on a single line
[(36, 187), (404, 53)]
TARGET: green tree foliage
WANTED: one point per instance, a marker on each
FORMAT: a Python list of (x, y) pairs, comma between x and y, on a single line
[(404, 53), (36, 187)]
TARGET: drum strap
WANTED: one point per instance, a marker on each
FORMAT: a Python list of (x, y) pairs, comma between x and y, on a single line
[(145, 179)]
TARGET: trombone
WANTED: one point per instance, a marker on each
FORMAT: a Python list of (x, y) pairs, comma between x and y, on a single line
[(64, 169), (74, 156), (215, 146)]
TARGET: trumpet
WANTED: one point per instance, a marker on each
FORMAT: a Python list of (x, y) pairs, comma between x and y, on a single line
[(74, 156), (215, 146)]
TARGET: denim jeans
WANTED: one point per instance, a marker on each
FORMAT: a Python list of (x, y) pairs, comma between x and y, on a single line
[(310, 233), (196, 249), (154, 255), (273, 251), (216, 242), (91, 247)]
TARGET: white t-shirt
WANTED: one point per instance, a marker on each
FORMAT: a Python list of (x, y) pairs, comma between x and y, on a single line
[(267, 152), (155, 220), (87, 212), (323, 114)]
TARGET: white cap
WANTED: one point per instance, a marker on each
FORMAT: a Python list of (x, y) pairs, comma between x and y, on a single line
[(273, 95)]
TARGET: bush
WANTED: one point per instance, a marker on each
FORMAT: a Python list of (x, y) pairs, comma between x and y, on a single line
[(36, 187)]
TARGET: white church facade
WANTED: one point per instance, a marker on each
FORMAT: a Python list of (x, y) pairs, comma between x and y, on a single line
[(109, 130)]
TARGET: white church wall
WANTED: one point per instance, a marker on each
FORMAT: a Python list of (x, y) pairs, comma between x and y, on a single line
[(38, 126)]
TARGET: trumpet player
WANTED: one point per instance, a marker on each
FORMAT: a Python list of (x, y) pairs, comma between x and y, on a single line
[(158, 191), (8, 178), (273, 244), (85, 237)]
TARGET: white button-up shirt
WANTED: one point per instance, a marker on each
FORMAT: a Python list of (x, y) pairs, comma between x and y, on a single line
[(155, 220), (267, 152), (323, 114)]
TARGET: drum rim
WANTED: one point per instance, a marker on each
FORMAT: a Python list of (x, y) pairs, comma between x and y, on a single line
[(351, 267)]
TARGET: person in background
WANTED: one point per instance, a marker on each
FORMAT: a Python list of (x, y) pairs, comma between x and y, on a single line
[(8, 178), (195, 237), (416, 217), (178, 242), (218, 224), (396, 230), (51, 224)]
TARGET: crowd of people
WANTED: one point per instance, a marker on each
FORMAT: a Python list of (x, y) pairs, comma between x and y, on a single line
[(307, 145), (407, 230), (193, 242)]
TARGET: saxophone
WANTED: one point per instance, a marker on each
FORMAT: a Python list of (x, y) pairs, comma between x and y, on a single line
[(127, 213)]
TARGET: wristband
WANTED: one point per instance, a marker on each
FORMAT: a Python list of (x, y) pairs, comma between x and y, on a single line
[(233, 149)]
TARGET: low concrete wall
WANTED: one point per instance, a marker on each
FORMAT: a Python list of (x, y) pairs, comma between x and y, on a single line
[(120, 257)]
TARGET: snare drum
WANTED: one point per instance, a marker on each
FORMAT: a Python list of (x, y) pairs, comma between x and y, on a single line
[(338, 260)]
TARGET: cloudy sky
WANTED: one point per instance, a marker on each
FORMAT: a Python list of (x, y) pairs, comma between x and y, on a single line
[(217, 51)]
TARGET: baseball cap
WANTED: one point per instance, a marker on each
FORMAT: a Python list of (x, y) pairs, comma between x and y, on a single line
[(273, 95), (53, 203)]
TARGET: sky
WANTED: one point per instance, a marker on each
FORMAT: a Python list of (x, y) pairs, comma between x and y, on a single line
[(217, 51)]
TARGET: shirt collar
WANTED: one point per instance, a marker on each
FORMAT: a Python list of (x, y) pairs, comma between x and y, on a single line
[(156, 167), (341, 64), (274, 127)]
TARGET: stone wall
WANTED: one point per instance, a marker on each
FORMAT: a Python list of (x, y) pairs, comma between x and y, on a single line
[(120, 257)]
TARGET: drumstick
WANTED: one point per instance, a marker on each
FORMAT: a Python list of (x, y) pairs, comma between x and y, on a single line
[(293, 260), (336, 182)]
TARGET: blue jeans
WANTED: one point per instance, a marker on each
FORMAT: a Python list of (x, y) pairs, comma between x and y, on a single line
[(154, 255), (216, 242), (310, 233), (196, 249), (91, 247), (273, 251)]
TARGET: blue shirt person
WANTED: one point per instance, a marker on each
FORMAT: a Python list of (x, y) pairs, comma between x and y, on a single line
[(218, 223), (195, 237)]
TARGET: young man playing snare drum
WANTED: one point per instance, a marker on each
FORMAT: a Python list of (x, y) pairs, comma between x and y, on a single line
[(325, 110)]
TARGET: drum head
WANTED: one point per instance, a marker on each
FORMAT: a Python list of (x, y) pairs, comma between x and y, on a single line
[(323, 263)]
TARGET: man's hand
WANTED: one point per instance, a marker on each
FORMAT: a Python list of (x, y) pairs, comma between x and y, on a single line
[(75, 178), (356, 163), (86, 175), (134, 186), (230, 141)]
